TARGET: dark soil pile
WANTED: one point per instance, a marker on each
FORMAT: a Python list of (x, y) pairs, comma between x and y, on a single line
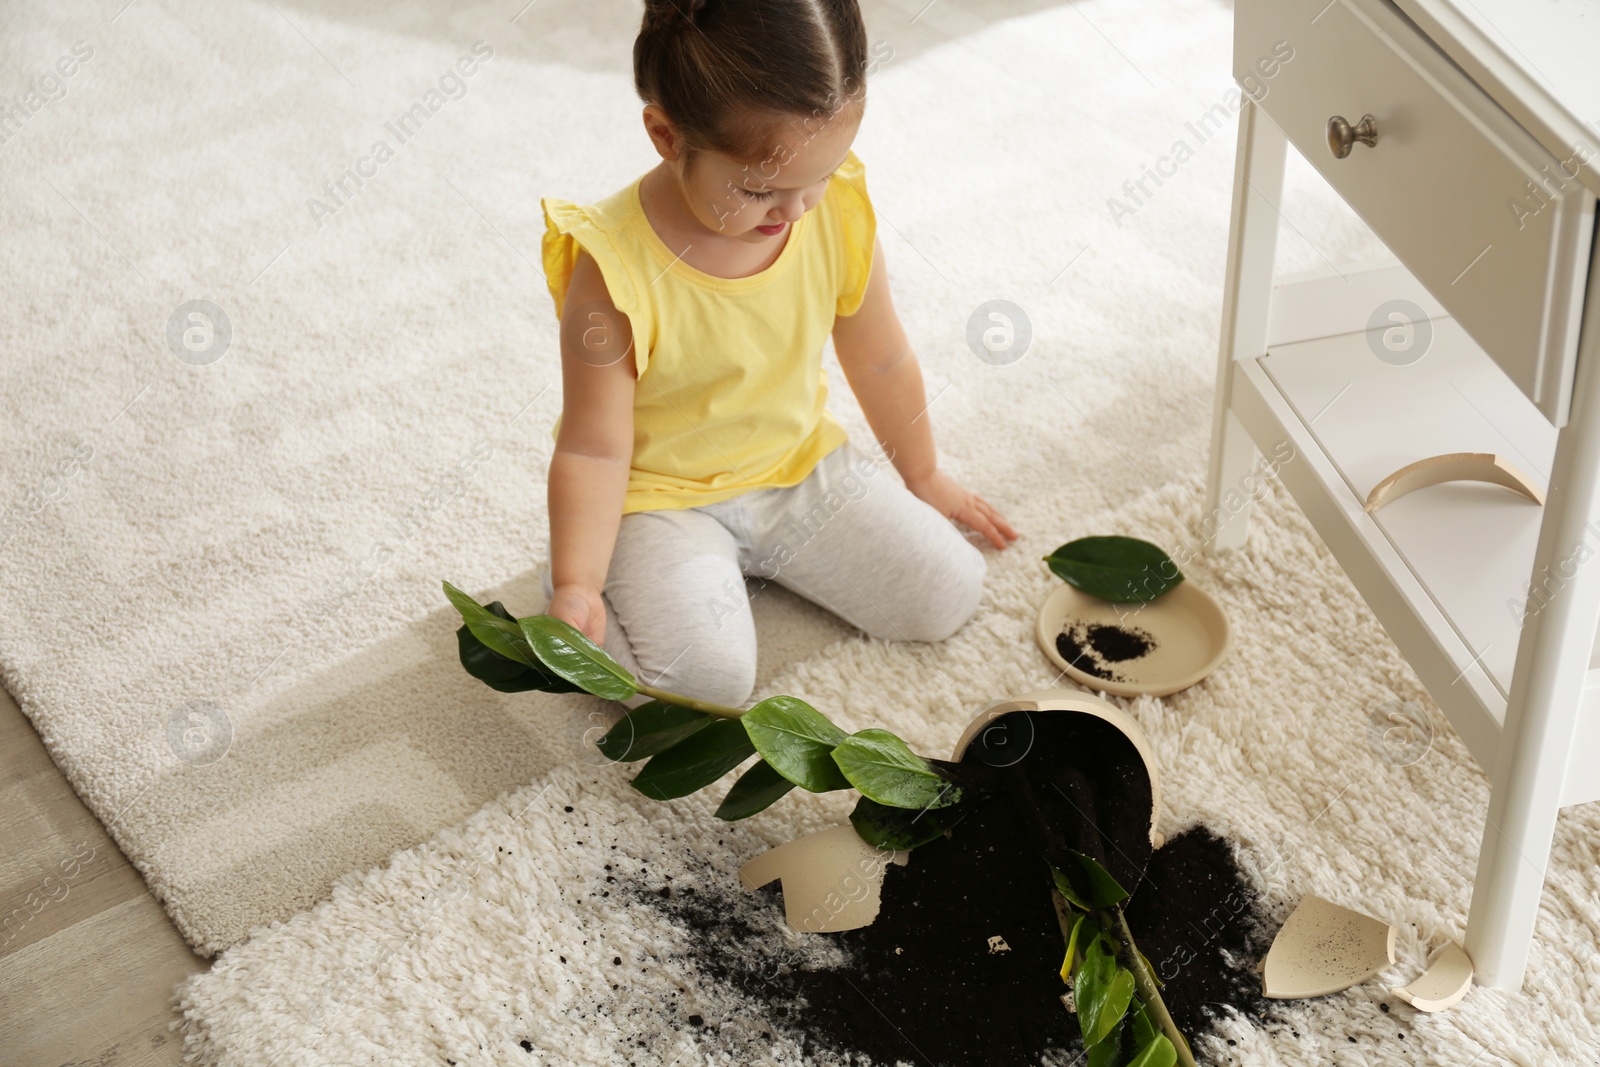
[(922, 983)]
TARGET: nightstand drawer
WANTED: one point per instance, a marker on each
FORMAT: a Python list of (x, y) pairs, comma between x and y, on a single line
[(1480, 213)]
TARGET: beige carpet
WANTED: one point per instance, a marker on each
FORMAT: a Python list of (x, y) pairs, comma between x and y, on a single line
[(219, 568)]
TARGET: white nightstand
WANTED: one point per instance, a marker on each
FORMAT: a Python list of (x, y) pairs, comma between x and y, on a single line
[(1483, 337)]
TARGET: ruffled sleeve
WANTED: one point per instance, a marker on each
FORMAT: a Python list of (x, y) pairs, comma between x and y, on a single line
[(569, 227), (859, 226)]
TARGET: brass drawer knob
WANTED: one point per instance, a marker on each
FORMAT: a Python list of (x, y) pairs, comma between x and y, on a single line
[(1342, 136)]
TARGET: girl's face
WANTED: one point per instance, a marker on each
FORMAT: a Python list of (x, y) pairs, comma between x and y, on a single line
[(757, 202)]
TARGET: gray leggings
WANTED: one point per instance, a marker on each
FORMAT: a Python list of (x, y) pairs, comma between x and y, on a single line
[(849, 537)]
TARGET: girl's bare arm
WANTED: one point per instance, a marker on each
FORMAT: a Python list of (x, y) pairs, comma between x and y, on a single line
[(588, 475), (882, 370)]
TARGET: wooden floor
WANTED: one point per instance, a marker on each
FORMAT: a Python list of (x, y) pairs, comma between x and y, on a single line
[(88, 958)]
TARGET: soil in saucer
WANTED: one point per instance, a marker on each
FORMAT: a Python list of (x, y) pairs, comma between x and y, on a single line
[(1094, 647)]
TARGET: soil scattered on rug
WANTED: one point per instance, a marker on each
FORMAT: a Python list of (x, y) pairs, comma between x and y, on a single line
[(1093, 647), (922, 985)]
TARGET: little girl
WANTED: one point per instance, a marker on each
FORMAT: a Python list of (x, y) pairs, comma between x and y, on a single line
[(694, 304)]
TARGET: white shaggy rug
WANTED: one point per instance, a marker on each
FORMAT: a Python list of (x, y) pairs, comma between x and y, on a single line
[(512, 933), (220, 596)]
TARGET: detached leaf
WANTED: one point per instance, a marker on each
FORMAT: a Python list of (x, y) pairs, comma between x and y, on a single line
[(1159, 1052), (574, 657), (500, 635), (1121, 569), (649, 729), (1102, 990), (695, 763), (756, 790), (797, 741), (902, 829), (885, 770), (1087, 884)]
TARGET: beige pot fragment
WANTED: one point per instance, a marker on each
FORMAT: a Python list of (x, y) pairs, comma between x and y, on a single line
[(832, 880), (1453, 467), (1445, 982), (1325, 948)]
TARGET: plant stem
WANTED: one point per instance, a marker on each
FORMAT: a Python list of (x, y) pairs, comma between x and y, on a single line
[(1145, 984), (722, 711)]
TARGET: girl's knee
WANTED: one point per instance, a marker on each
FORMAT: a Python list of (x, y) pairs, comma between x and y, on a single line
[(944, 603), (707, 668)]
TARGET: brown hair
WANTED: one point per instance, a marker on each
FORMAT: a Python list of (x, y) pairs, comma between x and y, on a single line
[(729, 72)]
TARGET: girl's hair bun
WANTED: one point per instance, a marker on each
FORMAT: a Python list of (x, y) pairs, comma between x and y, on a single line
[(661, 14)]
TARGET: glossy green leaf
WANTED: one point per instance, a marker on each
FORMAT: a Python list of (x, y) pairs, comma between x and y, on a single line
[(696, 762), (902, 829), (1144, 1031), (1084, 930), (1087, 884), (756, 790), (503, 636), (650, 729), (1122, 569), (500, 673), (1108, 1053), (797, 741), (482, 662), (1157, 1052), (1102, 990), (880, 765), (567, 652)]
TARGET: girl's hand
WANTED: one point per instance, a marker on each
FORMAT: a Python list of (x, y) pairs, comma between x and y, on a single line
[(963, 505), (581, 608)]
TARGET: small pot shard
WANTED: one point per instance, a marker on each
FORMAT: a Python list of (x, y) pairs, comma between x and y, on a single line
[(1324, 948), (1446, 981), (1453, 467), (832, 880)]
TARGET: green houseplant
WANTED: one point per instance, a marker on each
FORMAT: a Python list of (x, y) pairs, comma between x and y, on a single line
[(906, 800)]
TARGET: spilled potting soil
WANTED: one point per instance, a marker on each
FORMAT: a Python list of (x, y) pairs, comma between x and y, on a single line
[(923, 983)]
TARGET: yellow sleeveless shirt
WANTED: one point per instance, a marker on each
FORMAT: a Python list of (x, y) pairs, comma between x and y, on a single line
[(731, 391)]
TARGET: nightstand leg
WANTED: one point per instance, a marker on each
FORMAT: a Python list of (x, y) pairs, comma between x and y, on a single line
[(1537, 741), (1233, 457), (1247, 295)]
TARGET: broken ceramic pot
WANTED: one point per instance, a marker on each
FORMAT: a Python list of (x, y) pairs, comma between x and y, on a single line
[(1453, 467), (1004, 733), (1445, 982), (1324, 948), (832, 880)]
